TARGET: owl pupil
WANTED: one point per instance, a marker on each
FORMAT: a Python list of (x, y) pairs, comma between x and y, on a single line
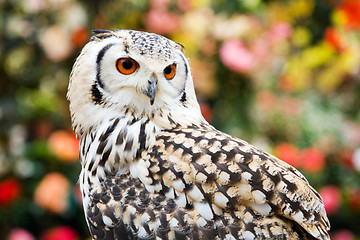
[(127, 64), (167, 70)]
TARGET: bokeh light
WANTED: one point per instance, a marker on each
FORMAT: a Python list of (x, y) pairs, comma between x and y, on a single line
[(283, 75)]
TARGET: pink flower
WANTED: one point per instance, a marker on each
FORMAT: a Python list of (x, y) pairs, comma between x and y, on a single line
[(261, 48), (60, 233), (331, 198), (159, 3), (56, 42), (290, 106), (236, 56), (52, 192), (20, 234), (279, 32), (343, 235), (266, 100), (64, 145), (34, 6), (161, 21), (312, 160), (185, 5)]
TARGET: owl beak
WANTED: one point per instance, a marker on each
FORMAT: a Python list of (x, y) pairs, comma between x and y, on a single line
[(151, 89)]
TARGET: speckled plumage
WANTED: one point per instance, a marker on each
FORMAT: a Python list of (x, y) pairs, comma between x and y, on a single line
[(158, 170)]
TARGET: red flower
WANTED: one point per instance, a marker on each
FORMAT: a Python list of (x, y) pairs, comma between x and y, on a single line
[(206, 111), (288, 153), (354, 200), (285, 83), (351, 10), (10, 190), (312, 160), (60, 233), (331, 198), (346, 157), (80, 37), (333, 37)]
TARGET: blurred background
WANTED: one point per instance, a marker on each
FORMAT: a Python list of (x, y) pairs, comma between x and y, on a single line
[(283, 75)]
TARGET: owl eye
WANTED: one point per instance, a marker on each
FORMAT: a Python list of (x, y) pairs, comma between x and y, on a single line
[(126, 66), (169, 71)]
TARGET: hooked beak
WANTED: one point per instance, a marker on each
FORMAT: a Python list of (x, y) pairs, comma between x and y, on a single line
[(151, 89)]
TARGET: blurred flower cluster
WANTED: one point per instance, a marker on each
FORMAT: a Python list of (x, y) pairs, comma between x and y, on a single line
[(283, 75)]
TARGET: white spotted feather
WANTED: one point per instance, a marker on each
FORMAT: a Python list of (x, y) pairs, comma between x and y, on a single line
[(153, 168)]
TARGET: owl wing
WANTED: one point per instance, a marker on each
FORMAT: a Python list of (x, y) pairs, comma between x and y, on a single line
[(122, 208), (221, 177), (199, 183)]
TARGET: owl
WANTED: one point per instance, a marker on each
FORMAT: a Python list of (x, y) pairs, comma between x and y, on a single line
[(154, 168)]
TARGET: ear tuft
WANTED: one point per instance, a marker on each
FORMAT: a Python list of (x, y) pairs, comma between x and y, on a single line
[(180, 47), (101, 33)]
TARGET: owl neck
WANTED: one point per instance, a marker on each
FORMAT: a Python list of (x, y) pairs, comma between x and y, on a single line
[(87, 118), (116, 142), (130, 131)]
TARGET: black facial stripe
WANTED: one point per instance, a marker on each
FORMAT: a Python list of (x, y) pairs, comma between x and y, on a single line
[(186, 67), (99, 58), (103, 51), (98, 85), (96, 94), (183, 97), (183, 93)]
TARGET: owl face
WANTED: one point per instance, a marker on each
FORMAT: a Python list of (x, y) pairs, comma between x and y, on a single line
[(140, 76), (129, 69)]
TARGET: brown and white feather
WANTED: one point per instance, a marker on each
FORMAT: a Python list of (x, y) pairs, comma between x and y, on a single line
[(160, 171)]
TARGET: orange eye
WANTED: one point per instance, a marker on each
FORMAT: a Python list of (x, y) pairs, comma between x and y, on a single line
[(169, 71), (126, 66)]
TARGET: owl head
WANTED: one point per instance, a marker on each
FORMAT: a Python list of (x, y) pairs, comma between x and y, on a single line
[(125, 70)]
